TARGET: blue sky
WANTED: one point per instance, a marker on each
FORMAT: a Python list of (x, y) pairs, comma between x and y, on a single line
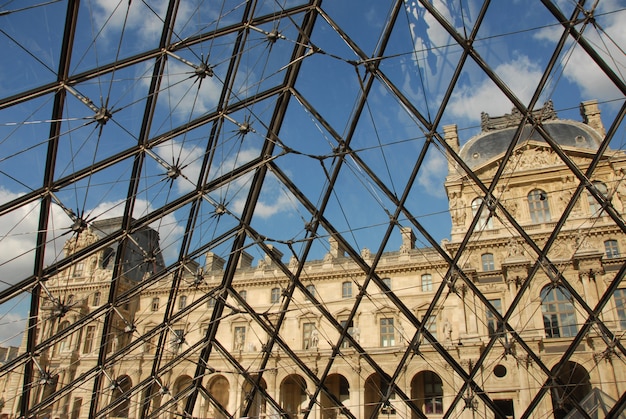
[(515, 40)]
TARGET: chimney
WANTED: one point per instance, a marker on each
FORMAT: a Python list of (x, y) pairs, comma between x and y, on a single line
[(245, 260), (336, 250), (408, 239), (451, 135), (591, 116), (213, 262), (277, 255)]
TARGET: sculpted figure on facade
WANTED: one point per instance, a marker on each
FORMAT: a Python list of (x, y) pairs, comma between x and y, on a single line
[(620, 196), (514, 248), (457, 209), (239, 340), (80, 241), (293, 263), (314, 339), (447, 332)]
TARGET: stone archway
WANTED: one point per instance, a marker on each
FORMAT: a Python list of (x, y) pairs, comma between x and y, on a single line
[(574, 386), (427, 393), (339, 387), (219, 388), (292, 395), (122, 385), (258, 406)]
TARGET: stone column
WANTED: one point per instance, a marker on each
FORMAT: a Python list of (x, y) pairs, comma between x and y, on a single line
[(451, 135)]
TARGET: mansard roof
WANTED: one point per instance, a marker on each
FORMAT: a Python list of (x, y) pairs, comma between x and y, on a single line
[(490, 144), (498, 132)]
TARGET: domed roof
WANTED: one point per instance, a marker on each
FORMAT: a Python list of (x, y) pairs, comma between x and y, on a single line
[(490, 144)]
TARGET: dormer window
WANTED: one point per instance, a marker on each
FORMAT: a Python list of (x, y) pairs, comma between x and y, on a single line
[(538, 206), (595, 207), (485, 221)]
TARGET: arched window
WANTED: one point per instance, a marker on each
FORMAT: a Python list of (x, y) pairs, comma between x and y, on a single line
[(484, 221), (574, 386), (487, 262), (258, 404), (427, 282), (611, 249), (427, 391), (595, 208), (122, 386), (275, 297), (346, 289), (559, 316), (538, 206), (79, 268), (220, 391), (340, 388), (293, 394)]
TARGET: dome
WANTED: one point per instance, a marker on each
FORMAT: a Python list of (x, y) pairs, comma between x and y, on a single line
[(487, 145)]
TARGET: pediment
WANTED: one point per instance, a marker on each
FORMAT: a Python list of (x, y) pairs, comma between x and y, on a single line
[(533, 155)]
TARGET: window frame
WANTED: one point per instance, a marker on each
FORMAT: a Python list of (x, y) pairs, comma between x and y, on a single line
[(611, 249), (386, 331), (275, 295), (427, 282), (433, 393), (539, 206), (487, 262), (431, 325), (347, 343), (182, 302), (558, 312), (311, 289), (595, 208), (90, 335), (154, 305), (494, 326), (346, 289), (619, 298), (307, 332), (79, 269), (485, 220), (387, 282)]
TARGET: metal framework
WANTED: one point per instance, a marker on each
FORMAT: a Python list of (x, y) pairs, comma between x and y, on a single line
[(194, 117)]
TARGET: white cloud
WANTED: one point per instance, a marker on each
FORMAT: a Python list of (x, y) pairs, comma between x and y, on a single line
[(521, 76), (580, 69), (274, 200), (189, 159), (432, 173), (18, 238), (111, 15), (184, 93), (12, 326)]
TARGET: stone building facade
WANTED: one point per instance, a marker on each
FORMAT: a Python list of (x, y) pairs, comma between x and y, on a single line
[(487, 243)]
